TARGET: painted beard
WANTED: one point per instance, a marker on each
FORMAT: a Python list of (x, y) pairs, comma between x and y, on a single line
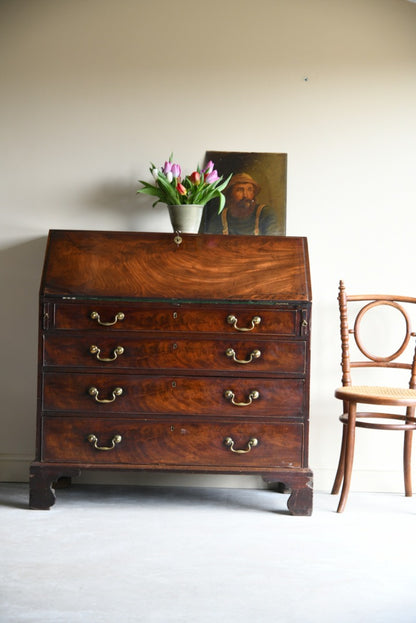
[(245, 204)]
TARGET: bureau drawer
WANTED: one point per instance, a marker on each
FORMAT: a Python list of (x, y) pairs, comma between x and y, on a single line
[(169, 443), (63, 349), (179, 395), (181, 317)]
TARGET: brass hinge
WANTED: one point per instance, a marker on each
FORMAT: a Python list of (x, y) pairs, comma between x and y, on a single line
[(304, 325), (45, 318)]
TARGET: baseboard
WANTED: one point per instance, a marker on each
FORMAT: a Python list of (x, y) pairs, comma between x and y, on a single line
[(377, 481), (15, 468)]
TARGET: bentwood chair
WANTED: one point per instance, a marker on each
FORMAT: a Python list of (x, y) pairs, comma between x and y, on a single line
[(376, 395)]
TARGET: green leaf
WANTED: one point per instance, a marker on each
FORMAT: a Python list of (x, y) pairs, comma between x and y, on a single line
[(224, 184), (222, 203), (150, 190), (171, 195)]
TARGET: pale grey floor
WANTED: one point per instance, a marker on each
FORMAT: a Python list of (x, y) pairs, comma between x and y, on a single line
[(196, 555)]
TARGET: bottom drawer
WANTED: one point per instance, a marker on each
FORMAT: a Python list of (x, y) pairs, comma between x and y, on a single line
[(172, 443)]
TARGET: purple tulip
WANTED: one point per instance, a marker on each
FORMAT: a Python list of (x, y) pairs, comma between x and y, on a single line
[(211, 177), (167, 167)]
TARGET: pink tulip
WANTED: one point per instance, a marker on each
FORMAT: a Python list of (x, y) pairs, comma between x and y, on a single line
[(167, 167), (211, 177), (176, 170), (181, 188), (209, 168), (195, 178)]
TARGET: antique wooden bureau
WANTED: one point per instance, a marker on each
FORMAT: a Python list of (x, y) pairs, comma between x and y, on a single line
[(185, 354)]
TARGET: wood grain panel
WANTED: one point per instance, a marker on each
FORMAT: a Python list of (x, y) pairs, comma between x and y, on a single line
[(176, 318), (209, 267), (172, 443), (173, 395), (208, 356)]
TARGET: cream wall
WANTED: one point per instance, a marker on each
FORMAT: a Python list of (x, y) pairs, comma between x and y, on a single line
[(92, 90)]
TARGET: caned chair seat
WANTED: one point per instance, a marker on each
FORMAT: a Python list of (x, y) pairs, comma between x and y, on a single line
[(403, 398), (373, 394)]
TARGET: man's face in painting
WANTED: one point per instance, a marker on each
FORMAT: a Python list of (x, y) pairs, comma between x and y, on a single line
[(241, 200)]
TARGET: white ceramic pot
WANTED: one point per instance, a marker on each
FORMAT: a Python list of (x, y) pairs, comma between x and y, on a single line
[(185, 219)]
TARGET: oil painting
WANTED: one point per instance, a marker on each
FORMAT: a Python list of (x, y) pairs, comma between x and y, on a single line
[(255, 195)]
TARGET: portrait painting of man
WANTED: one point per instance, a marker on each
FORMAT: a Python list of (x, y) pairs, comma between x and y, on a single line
[(255, 195)]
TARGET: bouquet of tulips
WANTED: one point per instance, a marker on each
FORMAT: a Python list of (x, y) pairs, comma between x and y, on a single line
[(172, 188)]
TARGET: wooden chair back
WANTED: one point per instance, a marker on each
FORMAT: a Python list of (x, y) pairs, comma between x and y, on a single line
[(351, 333)]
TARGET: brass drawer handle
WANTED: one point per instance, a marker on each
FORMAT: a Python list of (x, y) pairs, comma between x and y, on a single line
[(93, 391), (94, 350), (253, 395), (252, 443), (96, 316), (231, 319), (230, 352), (94, 441)]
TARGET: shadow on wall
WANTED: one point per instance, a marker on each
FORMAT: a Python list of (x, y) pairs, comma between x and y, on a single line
[(20, 274), (119, 198)]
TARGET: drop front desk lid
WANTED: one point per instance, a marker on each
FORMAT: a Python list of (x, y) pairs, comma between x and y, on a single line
[(151, 266)]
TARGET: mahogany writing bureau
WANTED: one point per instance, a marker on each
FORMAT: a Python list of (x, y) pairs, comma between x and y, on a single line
[(166, 354)]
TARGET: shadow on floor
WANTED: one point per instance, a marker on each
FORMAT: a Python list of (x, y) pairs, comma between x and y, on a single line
[(17, 496)]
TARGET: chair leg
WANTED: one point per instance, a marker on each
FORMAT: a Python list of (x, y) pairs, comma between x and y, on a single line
[(339, 476), (407, 456), (349, 455)]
